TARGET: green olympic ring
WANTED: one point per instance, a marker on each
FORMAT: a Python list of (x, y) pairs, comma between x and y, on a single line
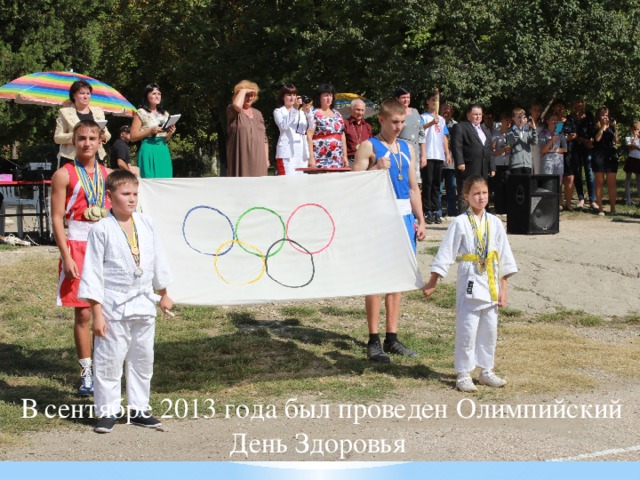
[(237, 231)]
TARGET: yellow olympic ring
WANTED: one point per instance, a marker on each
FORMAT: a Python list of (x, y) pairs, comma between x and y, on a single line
[(240, 242)]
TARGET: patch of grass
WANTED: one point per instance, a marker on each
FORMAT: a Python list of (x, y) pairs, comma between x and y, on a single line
[(242, 318), (7, 248), (267, 354), (431, 250), (547, 358), (633, 318), (444, 296), (511, 313), (337, 311), (414, 295), (572, 317), (298, 311), (196, 313)]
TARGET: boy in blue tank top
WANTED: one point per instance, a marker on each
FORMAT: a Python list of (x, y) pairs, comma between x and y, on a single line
[(386, 152)]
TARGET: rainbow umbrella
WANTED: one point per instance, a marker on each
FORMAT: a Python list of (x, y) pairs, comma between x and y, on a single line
[(52, 88)]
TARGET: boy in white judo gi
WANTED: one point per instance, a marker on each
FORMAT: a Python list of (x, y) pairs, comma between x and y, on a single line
[(125, 262), (479, 242)]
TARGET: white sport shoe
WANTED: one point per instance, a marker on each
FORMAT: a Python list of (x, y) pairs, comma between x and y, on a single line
[(490, 379), (465, 384)]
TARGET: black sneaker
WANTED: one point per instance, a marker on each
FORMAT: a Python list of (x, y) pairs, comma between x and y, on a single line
[(397, 348), (437, 219), (105, 425), (429, 218), (375, 353), (143, 419)]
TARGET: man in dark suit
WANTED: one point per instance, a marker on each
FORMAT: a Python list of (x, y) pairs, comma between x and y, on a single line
[(471, 146)]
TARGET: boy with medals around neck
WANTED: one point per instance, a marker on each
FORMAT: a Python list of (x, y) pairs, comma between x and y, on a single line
[(125, 265), (78, 197), (478, 241), (387, 152)]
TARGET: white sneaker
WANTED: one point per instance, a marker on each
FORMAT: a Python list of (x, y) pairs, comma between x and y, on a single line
[(465, 384), (490, 379)]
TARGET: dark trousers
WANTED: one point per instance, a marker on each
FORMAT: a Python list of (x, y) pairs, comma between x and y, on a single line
[(521, 171), (585, 162), (450, 187), (431, 178), (498, 186)]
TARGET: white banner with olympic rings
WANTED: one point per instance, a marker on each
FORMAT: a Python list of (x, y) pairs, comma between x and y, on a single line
[(253, 240)]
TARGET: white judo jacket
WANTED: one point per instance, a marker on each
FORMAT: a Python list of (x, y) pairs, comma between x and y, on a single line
[(472, 287), (108, 273)]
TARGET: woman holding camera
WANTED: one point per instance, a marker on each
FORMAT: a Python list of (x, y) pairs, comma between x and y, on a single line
[(604, 158), (293, 117), (154, 159), (328, 143)]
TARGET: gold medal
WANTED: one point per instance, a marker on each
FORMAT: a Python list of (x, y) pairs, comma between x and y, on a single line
[(93, 191), (93, 213), (96, 212), (481, 265), (397, 158), (89, 214), (104, 212), (132, 243)]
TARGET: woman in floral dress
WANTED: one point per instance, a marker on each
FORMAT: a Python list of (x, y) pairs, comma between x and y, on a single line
[(327, 141)]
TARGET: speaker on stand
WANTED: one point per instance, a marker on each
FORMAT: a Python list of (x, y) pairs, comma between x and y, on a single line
[(533, 204)]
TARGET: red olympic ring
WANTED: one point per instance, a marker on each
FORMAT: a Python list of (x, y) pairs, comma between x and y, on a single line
[(333, 229)]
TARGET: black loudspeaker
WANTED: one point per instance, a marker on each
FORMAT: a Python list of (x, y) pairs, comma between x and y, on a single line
[(500, 189), (533, 204)]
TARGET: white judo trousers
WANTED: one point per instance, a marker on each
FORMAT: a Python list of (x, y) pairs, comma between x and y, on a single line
[(476, 311), (476, 338), (129, 342), (129, 307)]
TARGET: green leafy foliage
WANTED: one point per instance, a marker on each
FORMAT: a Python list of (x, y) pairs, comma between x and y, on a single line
[(498, 53)]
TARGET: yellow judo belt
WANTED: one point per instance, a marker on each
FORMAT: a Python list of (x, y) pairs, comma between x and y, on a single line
[(484, 265)]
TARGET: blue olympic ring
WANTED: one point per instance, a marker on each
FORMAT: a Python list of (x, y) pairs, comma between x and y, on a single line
[(184, 234)]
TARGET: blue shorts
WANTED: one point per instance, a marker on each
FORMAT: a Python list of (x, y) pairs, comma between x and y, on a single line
[(410, 224)]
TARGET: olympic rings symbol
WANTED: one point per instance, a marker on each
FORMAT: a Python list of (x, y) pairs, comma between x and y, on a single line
[(263, 238)]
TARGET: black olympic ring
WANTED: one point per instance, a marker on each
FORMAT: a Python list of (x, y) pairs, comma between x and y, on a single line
[(266, 261)]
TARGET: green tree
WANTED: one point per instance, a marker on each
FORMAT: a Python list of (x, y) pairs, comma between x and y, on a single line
[(498, 53), (36, 36)]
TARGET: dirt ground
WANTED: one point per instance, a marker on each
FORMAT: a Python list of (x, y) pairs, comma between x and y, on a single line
[(591, 265)]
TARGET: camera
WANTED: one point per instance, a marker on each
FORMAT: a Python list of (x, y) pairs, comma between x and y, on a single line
[(305, 100)]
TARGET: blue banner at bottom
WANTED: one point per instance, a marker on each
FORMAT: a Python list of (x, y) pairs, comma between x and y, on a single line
[(322, 470)]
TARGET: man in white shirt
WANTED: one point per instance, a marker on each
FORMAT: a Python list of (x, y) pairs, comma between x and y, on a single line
[(437, 146)]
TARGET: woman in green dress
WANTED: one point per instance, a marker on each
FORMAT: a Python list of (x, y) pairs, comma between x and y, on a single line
[(154, 158)]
